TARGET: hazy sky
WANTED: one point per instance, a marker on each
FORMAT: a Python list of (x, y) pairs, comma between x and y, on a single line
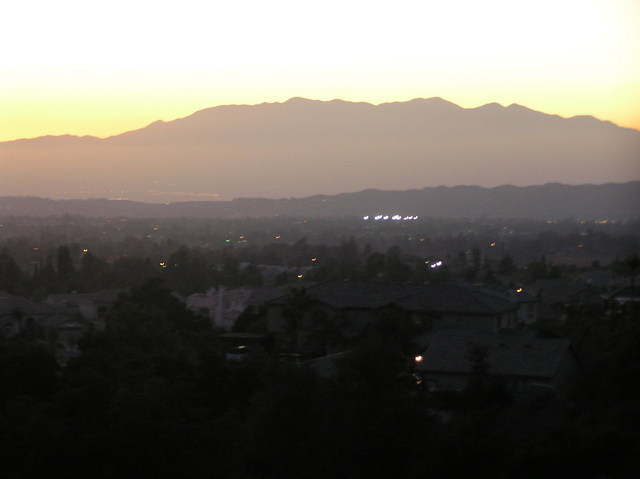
[(101, 68)]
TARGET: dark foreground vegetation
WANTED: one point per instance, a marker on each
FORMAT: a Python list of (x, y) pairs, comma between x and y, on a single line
[(151, 395)]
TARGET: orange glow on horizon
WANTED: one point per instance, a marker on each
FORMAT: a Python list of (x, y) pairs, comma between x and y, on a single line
[(72, 75)]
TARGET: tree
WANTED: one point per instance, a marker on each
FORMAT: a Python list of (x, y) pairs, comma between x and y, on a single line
[(64, 269), (152, 318), (10, 274), (297, 304), (506, 265), (27, 367), (92, 272), (630, 267)]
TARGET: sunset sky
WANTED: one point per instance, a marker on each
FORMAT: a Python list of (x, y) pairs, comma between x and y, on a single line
[(102, 68)]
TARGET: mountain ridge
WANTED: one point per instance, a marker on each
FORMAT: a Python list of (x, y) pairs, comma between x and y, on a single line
[(293, 99), (303, 147), (613, 201)]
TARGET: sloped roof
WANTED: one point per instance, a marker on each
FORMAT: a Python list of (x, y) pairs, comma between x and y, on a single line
[(45, 315), (455, 298), (108, 295), (513, 353), (353, 295), (627, 293), (101, 296), (523, 296), (262, 294), (560, 290), (325, 366), (411, 297), (9, 303)]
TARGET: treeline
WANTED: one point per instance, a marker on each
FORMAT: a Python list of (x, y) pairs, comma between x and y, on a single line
[(39, 256), (151, 396), (34, 239), (188, 270)]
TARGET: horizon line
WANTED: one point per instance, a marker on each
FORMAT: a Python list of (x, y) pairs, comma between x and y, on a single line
[(292, 198)]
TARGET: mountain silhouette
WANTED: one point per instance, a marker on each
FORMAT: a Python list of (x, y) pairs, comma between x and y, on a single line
[(302, 147)]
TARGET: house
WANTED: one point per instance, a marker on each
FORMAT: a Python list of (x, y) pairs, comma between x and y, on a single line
[(18, 314), (528, 306), (526, 362), (458, 306), (21, 315), (223, 306), (558, 296), (306, 318), (332, 309), (623, 301), (92, 306)]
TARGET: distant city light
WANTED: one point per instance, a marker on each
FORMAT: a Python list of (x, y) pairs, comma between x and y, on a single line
[(395, 217), (519, 290), (437, 264), (418, 359)]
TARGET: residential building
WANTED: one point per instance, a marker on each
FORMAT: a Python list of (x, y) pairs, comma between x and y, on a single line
[(524, 361)]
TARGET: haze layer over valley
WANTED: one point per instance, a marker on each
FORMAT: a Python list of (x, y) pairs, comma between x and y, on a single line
[(303, 147)]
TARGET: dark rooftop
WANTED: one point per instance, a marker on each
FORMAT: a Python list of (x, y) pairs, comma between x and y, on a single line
[(411, 297), (512, 353)]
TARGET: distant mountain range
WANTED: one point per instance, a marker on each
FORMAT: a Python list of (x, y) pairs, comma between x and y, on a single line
[(303, 147), (551, 201)]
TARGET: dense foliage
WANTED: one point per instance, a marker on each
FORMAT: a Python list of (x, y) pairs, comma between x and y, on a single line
[(151, 396)]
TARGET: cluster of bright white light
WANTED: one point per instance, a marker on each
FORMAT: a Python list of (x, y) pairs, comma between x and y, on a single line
[(437, 264), (392, 218)]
